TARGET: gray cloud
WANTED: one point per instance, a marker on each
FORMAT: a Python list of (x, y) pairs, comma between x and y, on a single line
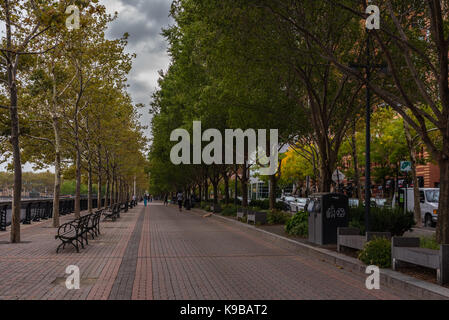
[(143, 20)]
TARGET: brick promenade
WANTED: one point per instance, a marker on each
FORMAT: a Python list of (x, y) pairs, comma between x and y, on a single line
[(159, 253)]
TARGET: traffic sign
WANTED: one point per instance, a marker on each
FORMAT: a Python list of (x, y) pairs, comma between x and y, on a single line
[(406, 166), (338, 176)]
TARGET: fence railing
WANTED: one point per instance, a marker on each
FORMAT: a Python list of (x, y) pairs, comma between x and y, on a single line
[(41, 209)]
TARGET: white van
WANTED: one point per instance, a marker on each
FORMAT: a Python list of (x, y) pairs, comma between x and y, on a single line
[(429, 198)]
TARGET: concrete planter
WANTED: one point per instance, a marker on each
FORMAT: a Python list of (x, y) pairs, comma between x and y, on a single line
[(351, 238), (407, 250), (257, 217)]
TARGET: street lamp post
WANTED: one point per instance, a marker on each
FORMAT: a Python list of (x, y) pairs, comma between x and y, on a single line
[(368, 67), (368, 137)]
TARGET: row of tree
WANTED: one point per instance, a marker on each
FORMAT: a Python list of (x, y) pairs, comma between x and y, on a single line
[(64, 101), (290, 65)]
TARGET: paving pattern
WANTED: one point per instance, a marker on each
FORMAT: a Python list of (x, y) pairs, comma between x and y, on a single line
[(158, 252)]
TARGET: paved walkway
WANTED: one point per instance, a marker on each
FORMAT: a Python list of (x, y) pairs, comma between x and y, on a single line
[(159, 253)]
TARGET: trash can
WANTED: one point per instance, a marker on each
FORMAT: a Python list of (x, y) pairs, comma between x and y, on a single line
[(326, 213)]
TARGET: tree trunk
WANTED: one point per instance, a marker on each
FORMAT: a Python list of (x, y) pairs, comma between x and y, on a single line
[(244, 183), (12, 86), (112, 200), (325, 177), (57, 186), (206, 190), (215, 186), (17, 191), (416, 200), (106, 195), (272, 191), (89, 187), (357, 187), (99, 192), (99, 180), (443, 207), (226, 187)]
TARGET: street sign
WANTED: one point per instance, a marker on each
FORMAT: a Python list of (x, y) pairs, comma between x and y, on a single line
[(338, 176), (406, 166)]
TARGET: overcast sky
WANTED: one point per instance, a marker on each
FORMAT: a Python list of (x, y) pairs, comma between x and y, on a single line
[(143, 20)]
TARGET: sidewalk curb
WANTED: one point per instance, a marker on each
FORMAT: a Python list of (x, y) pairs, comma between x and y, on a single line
[(389, 278)]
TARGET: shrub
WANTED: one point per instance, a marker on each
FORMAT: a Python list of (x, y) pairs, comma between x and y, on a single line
[(229, 210), (429, 243), (377, 252), (262, 204), (390, 220), (297, 225), (265, 205), (277, 217)]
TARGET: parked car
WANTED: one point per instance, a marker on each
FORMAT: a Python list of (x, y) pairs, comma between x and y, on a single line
[(354, 202), (298, 205), (286, 200)]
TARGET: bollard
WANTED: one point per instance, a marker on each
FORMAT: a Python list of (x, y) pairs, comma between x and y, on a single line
[(3, 210)]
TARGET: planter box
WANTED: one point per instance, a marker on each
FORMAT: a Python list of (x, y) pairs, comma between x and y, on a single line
[(241, 213), (407, 250), (257, 217), (351, 238)]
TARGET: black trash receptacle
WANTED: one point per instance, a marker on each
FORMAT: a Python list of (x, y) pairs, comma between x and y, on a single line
[(327, 212)]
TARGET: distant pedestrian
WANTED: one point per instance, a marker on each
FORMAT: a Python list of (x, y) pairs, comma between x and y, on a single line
[(180, 197), (166, 200), (145, 199)]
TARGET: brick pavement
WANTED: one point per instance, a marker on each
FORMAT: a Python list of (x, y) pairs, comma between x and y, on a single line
[(160, 253)]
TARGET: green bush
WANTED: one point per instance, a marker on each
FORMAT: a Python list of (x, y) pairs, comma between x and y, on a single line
[(297, 225), (265, 205), (262, 204), (429, 243), (390, 220), (229, 210), (277, 217), (377, 252)]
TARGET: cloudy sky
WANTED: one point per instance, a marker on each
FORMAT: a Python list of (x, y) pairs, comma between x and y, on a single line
[(143, 20)]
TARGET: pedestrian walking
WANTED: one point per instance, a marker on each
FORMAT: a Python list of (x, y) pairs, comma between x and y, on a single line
[(145, 199), (166, 200), (180, 197)]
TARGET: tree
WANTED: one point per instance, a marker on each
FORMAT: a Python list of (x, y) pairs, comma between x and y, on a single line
[(25, 22)]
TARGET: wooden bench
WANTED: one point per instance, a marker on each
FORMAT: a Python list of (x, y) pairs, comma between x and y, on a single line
[(404, 249), (257, 217), (351, 238), (241, 213)]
